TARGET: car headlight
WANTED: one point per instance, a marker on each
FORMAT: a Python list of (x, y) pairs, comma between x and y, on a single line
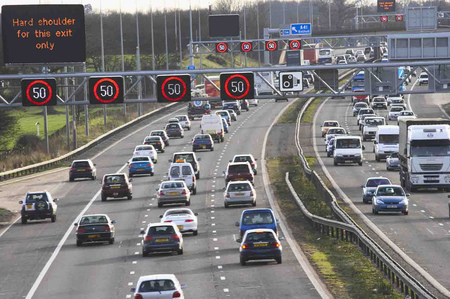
[(339, 155), (357, 155), (414, 179), (404, 202), (379, 201)]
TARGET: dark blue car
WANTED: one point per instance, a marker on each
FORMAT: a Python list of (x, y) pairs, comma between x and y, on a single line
[(260, 244), (257, 218), (202, 141)]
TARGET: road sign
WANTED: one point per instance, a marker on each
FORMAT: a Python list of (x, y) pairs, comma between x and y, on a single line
[(198, 103), (191, 67), (271, 45), (284, 32), (246, 46), (399, 18), (173, 88), (386, 6), (221, 47), (237, 86), (38, 92), (291, 81), (295, 44), (301, 29), (383, 19), (293, 58), (106, 90)]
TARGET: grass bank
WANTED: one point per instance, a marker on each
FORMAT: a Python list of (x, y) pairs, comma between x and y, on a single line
[(290, 115)]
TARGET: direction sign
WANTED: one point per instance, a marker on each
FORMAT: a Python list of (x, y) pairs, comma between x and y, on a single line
[(295, 44), (291, 81), (38, 92), (191, 67), (301, 29), (106, 90), (237, 86), (221, 47), (383, 19), (246, 46), (285, 32), (173, 88), (271, 45)]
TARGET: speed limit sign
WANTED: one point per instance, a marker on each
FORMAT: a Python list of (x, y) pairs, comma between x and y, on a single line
[(106, 90), (38, 92), (271, 45), (295, 44), (246, 46), (237, 86), (221, 47), (173, 88)]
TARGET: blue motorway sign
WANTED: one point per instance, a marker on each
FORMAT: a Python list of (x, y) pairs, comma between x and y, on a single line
[(191, 67), (301, 29), (286, 32)]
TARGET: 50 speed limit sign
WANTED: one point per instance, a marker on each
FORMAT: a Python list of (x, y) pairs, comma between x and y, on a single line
[(237, 86), (38, 92), (173, 88), (106, 90), (271, 45)]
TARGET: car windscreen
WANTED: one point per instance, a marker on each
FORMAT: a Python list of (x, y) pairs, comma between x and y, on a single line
[(201, 137), (159, 285), (172, 185), (365, 111), (237, 168), (257, 217), (36, 197), (397, 101), (81, 164), (376, 182), (94, 219), (239, 187), (187, 157), (388, 139), (260, 237), (407, 113), (114, 179), (375, 122), (427, 148), (360, 105), (161, 230), (348, 143), (423, 76), (144, 148), (390, 191)]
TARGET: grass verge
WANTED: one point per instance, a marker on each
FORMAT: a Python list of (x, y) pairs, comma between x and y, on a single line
[(343, 267), (5, 216), (308, 116), (290, 115)]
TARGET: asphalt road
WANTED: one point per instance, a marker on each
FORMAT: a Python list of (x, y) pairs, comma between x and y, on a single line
[(210, 264), (425, 233)]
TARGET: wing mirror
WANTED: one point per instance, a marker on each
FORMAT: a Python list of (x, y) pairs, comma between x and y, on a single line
[(196, 214), (375, 142), (113, 222), (362, 186), (75, 224), (223, 172), (160, 216), (21, 202), (363, 147), (256, 159), (236, 224), (55, 200), (95, 164), (183, 286), (130, 180), (133, 290), (199, 159), (407, 194), (238, 240), (281, 238), (142, 232), (278, 221)]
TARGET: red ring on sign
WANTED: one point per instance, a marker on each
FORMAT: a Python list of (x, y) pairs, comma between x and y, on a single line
[(249, 45), (228, 92), (271, 42), (222, 51), (115, 95), (182, 94), (50, 92), (293, 41)]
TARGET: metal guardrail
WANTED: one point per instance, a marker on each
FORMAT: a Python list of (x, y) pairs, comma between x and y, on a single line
[(349, 229), (34, 168)]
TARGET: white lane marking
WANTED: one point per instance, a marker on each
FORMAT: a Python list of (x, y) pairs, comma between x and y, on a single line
[(212, 211), (132, 273), (215, 239), (430, 231), (138, 244), (128, 296), (130, 283), (136, 253), (423, 211), (226, 290), (146, 216), (213, 224), (214, 231), (217, 257), (431, 217), (134, 262), (216, 248), (441, 224), (213, 217), (414, 205), (222, 277), (219, 267)]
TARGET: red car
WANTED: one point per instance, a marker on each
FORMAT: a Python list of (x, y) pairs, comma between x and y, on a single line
[(239, 171), (116, 185)]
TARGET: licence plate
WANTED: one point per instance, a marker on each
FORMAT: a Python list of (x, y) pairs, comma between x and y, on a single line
[(81, 169), (260, 245), (180, 227), (173, 193), (116, 194), (29, 206), (432, 179), (93, 236), (162, 240), (239, 194), (141, 169), (115, 187), (203, 145), (240, 179), (392, 206)]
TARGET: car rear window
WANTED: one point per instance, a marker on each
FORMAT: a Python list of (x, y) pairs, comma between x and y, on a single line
[(36, 197), (144, 148), (376, 182), (178, 212), (172, 185), (173, 126), (260, 237), (187, 157), (186, 170), (239, 187), (157, 134), (242, 159), (152, 139), (161, 230), (140, 159), (251, 218), (238, 169), (175, 171), (182, 118), (81, 164), (93, 219), (201, 137), (336, 131), (114, 179), (157, 286)]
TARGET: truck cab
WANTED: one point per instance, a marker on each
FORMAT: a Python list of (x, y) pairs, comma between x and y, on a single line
[(385, 142)]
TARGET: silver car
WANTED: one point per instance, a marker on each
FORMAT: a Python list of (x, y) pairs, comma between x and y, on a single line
[(170, 192), (239, 192), (392, 162)]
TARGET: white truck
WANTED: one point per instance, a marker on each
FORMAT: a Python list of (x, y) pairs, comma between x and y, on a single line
[(348, 149), (212, 125), (385, 142), (326, 56), (424, 153), (261, 87)]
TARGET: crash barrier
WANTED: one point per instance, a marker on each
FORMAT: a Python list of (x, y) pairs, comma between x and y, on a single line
[(38, 167), (349, 230)]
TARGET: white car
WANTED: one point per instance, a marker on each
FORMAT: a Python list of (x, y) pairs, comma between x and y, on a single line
[(342, 61), (253, 102), (389, 99), (247, 158), (184, 121), (423, 78), (332, 132), (352, 59), (406, 114), (395, 112), (146, 150), (379, 102), (184, 218), (238, 193), (158, 286), (361, 58)]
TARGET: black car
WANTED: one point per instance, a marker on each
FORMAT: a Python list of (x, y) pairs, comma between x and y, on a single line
[(37, 206), (232, 106), (162, 237), (162, 134), (156, 141), (95, 228), (245, 105), (174, 130), (82, 169)]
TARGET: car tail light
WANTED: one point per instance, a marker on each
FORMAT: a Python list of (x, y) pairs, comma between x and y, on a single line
[(158, 143), (189, 220), (251, 193), (168, 221), (89, 168), (138, 296), (148, 238), (161, 193), (244, 246), (72, 169), (175, 237), (184, 192), (276, 245), (107, 228), (193, 178), (253, 163), (81, 230), (131, 166), (148, 165), (176, 294), (228, 195)]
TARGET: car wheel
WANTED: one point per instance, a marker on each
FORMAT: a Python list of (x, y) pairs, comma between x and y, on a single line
[(162, 151), (256, 172), (243, 261), (335, 163), (193, 149), (144, 253), (156, 162), (111, 241), (374, 211), (360, 163), (248, 109), (187, 203), (195, 232), (182, 136), (94, 177), (377, 158), (71, 179), (364, 139), (197, 176), (53, 218), (180, 251), (24, 220), (406, 213), (365, 200), (194, 191), (79, 243), (189, 128), (279, 260), (254, 203), (151, 173), (103, 197), (160, 205), (130, 175), (226, 205), (130, 197), (212, 149), (222, 139)]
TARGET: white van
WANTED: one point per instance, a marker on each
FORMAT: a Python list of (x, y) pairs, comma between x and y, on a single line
[(385, 142), (212, 125), (348, 149), (183, 172), (371, 125)]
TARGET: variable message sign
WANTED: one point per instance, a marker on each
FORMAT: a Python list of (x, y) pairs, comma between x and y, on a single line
[(237, 86), (38, 92), (106, 90), (173, 88)]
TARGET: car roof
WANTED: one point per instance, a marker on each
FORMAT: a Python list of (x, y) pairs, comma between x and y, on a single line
[(163, 182), (238, 163), (240, 155), (38, 192), (157, 277), (185, 153), (326, 121), (239, 182), (347, 137), (181, 115), (88, 215), (257, 210), (178, 209), (390, 185), (255, 230), (157, 131), (377, 178), (124, 174), (180, 164), (82, 160)]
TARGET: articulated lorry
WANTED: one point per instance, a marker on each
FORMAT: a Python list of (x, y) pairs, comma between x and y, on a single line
[(424, 153)]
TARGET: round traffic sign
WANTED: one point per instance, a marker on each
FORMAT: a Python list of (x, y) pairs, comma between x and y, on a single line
[(399, 18), (271, 45), (384, 19), (173, 89), (222, 47), (198, 103), (246, 46), (39, 92), (106, 90), (237, 86), (295, 44)]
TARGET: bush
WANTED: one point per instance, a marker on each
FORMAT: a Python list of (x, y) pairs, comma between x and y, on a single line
[(29, 144)]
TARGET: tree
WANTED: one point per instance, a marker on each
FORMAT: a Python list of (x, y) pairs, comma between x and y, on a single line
[(8, 128)]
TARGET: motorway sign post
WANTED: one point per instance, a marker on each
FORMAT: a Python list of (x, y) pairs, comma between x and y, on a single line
[(237, 86), (301, 29), (106, 90), (291, 81), (38, 92), (173, 88)]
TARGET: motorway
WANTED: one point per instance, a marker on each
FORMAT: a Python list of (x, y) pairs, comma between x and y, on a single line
[(425, 233), (41, 260)]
